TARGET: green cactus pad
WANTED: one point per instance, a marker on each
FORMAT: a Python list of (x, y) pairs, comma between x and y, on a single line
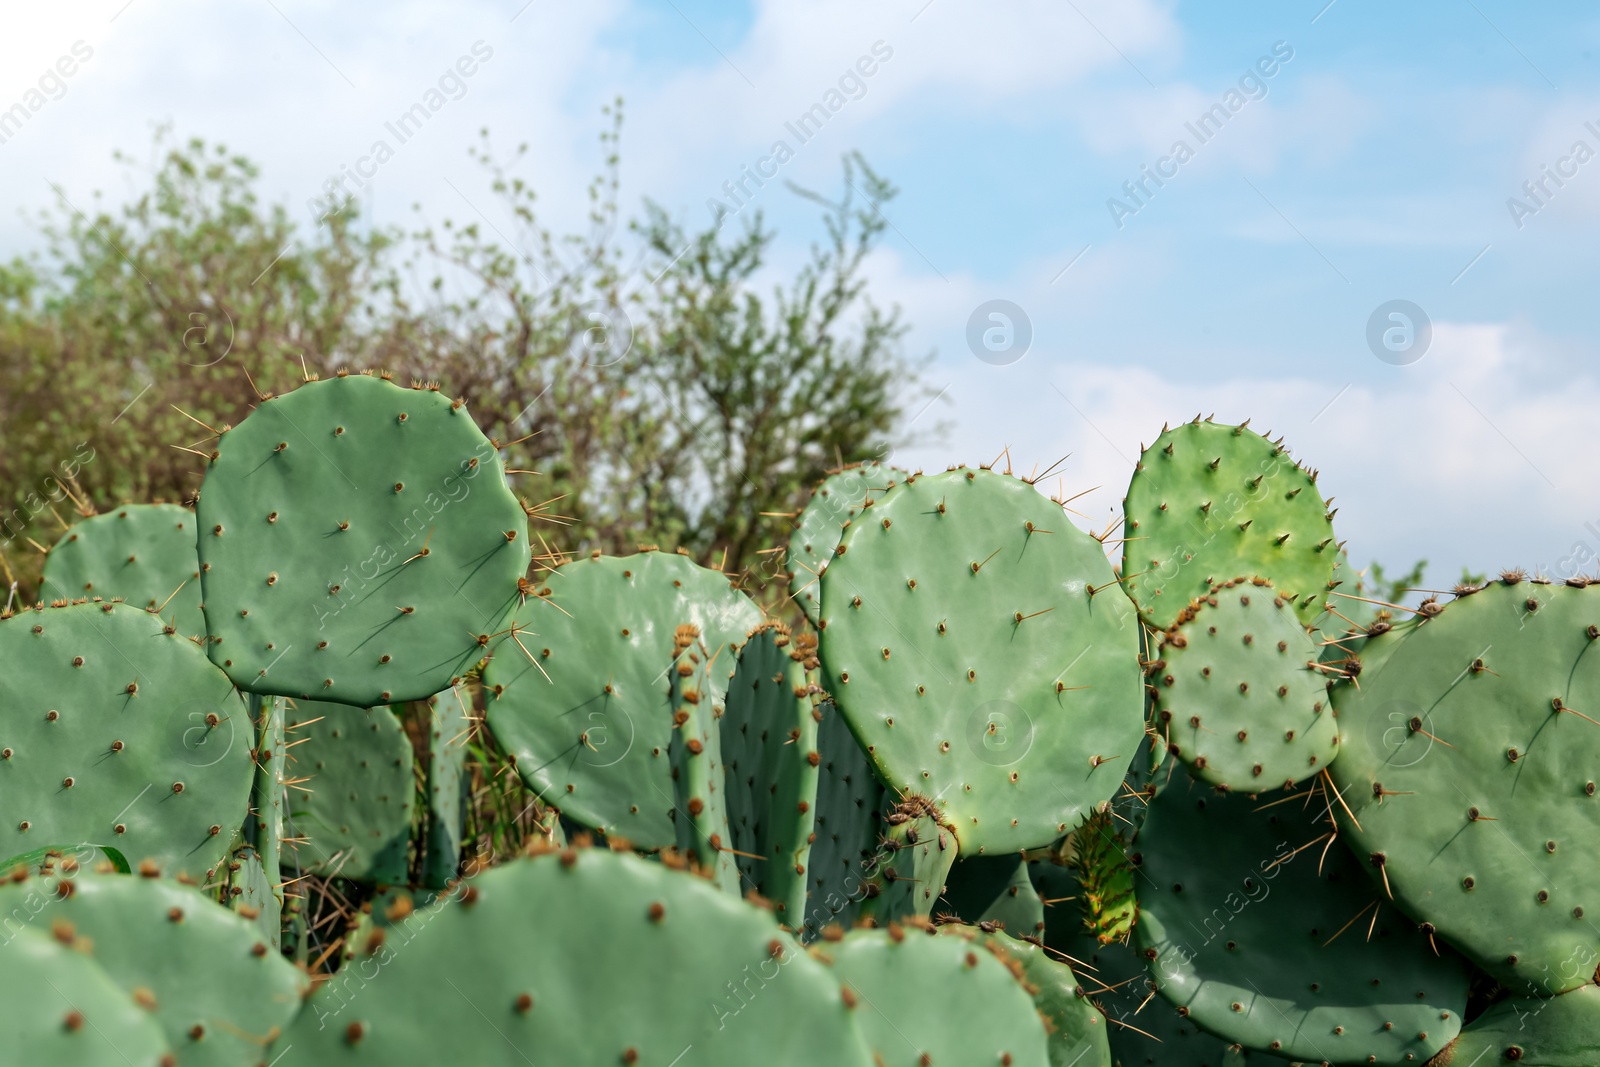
[(356, 818), (1209, 502), (450, 722), (924, 999), (253, 894), (700, 798), (1077, 1030), (1561, 1031), (143, 554), (1237, 696), (583, 958), (769, 749), (1470, 760), (583, 702), (837, 499), (993, 889), (1269, 934), (983, 654), (203, 972), (358, 543), (105, 738), (909, 875), (61, 1007), (1108, 895), (850, 811)]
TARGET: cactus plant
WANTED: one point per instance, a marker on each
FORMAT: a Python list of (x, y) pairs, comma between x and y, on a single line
[(1270, 937), (143, 554), (268, 805), (700, 796), (201, 971), (1209, 502), (1469, 764), (984, 656), (117, 730), (1538, 1031), (353, 817), (994, 891), (908, 877), (837, 500), (850, 820), (358, 543), (1240, 696), (450, 721), (487, 979), (581, 698)]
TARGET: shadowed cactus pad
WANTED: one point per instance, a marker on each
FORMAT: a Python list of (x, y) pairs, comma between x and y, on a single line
[(836, 501), (358, 543), (141, 553), (1209, 502), (980, 648), (1470, 760), (61, 1007), (582, 958), (356, 817), (1562, 1031), (1237, 697), (114, 731), (584, 701), (201, 971), (1270, 935), (927, 999)]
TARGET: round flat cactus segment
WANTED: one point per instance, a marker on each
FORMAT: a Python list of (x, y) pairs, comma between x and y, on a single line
[(1208, 502), (116, 732), (984, 655), (358, 543), (581, 695), (837, 500), (1469, 765), (1560, 1031), (1238, 698), (143, 554)]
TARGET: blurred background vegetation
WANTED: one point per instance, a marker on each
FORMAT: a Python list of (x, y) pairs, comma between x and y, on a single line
[(667, 387)]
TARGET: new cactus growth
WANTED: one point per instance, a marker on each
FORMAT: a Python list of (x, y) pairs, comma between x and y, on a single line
[(143, 554), (1209, 502), (358, 543), (984, 655), (115, 729)]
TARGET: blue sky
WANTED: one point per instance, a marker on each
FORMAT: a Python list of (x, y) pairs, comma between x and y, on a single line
[(1374, 165)]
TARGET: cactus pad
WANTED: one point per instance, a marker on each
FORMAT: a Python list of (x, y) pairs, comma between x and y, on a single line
[(850, 811), (581, 699), (994, 889), (1470, 761), (700, 798), (1562, 1031), (1237, 697), (143, 554), (358, 543), (356, 817), (1269, 935), (450, 722), (1208, 502), (525, 960), (925, 999), (980, 648), (117, 732), (909, 876), (62, 1007), (837, 500), (203, 972)]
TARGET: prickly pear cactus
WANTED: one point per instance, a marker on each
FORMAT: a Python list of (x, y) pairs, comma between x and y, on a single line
[(142, 553), (1076, 1029), (1560, 1031), (984, 655), (838, 499), (62, 1007), (269, 803), (909, 877), (118, 732), (489, 980), (993, 890), (1469, 768), (769, 749), (450, 721), (1106, 878), (580, 696), (850, 814), (353, 815), (700, 796), (202, 972), (358, 543), (1240, 696), (1209, 502), (1260, 926), (924, 999)]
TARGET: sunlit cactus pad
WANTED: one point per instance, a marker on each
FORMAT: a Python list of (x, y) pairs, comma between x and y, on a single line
[(141, 553)]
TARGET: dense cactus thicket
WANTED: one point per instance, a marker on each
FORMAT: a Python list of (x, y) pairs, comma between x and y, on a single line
[(351, 765)]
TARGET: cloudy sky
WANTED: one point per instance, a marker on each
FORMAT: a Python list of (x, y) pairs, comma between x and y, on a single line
[(1335, 157)]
